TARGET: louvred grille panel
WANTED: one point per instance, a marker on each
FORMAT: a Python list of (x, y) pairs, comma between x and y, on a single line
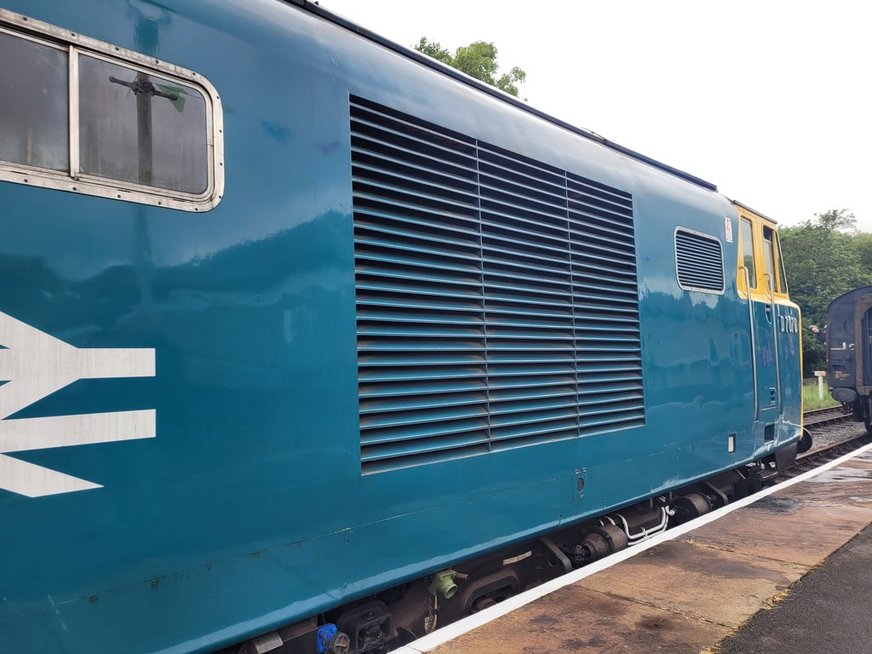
[(497, 304), (699, 262)]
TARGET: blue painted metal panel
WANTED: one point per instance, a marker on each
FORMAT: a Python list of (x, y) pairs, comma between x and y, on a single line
[(249, 509), (789, 353)]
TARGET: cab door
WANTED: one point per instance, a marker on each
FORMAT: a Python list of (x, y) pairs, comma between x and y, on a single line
[(760, 283)]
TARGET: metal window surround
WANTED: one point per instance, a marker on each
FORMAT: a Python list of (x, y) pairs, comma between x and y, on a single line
[(74, 180), (497, 299)]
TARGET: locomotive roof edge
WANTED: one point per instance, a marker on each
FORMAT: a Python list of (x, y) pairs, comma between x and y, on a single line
[(341, 21), (752, 210)]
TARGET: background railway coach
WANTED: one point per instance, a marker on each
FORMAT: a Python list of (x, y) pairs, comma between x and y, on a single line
[(849, 351), (302, 328)]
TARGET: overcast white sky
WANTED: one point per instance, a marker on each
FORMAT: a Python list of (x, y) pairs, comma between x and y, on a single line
[(767, 99)]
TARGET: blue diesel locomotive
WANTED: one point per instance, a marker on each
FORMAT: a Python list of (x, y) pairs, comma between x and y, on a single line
[(309, 341)]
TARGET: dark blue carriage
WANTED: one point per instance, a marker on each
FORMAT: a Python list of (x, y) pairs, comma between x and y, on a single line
[(849, 351)]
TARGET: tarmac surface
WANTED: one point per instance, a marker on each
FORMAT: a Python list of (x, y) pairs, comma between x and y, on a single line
[(789, 573)]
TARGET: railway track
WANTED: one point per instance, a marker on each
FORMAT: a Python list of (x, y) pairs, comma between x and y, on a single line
[(815, 458), (822, 417), (816, 422)]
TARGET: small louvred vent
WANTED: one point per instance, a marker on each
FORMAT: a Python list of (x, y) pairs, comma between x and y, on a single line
[(496, 296), (699, 262)]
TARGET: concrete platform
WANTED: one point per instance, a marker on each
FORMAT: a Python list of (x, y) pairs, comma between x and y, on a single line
[(699, 589), (827, 611)]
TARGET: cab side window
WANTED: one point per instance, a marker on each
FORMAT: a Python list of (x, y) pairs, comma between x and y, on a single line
[(769, 257), (747, 238), (779, 265)]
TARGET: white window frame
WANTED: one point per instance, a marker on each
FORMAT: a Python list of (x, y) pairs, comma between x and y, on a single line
[(73, 179)]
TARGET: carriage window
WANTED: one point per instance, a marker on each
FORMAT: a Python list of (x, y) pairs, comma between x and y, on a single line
[(747, 238), (141, 128), (92, 118), (34, 128)]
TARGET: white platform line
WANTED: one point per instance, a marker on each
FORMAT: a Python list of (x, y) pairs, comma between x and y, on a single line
[(467, 624)]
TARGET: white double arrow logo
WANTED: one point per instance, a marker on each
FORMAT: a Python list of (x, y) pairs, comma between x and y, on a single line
[(35, 365)]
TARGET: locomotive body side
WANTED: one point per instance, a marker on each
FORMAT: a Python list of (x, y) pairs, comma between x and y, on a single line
[(254, 504)]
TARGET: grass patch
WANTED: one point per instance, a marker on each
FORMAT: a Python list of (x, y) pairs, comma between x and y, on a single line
[(810, 399)]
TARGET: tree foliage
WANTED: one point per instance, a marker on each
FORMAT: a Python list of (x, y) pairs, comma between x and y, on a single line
[(434, 49), (478, 60), (824, 257), (863, 243)]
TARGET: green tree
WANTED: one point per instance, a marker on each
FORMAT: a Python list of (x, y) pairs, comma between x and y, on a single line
[(434, 49), (836, 220), (478, 60), (823, 260), (863, 242)]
